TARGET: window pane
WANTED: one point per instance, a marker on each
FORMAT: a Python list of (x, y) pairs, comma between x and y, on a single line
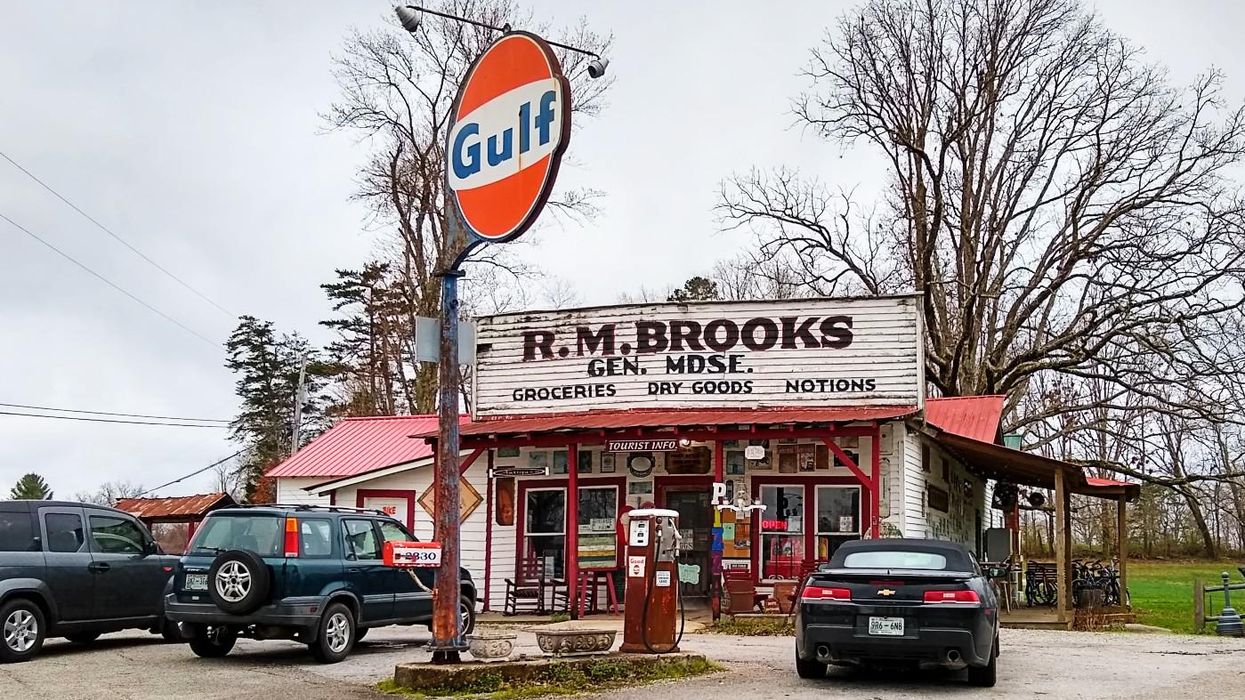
[(546, 511), (16, 534), (548, 551), (262, 534), (896, 559), (598, 504), (316, 538), (361, 538), (784, 509), (392, 532), (64, 532), (115, 535), (838, 510), (782, 556)]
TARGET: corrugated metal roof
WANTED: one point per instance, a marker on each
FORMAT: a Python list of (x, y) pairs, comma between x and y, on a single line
[(358, 445), (976, 417), (611, 420), (175, 506)]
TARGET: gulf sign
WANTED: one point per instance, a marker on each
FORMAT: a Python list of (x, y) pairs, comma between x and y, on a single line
[(512, 121)]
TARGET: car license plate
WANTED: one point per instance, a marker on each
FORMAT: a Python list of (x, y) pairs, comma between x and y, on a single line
[(886, 626), (198, 582)]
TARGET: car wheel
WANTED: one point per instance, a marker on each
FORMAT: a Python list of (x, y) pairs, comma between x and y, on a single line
[(360, 633), (984, 676), (810, 668), (213, 642), (23, 629), (467, 614), (336, 635), (82, 637), (238, 581)]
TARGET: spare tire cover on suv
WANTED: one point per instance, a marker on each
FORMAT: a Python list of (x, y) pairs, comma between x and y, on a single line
[(238, 581)]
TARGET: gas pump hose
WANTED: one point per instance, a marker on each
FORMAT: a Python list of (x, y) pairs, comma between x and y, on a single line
[(648, 597)]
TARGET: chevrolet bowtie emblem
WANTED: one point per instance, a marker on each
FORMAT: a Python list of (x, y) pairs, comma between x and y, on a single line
[(886, 591)]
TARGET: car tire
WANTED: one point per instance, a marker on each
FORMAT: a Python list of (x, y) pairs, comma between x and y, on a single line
[(467, 613), (810, 668), (22, 631), (360, 633), (336, 636), (985, 676), (213, 642), (82, 637), (238, 581)]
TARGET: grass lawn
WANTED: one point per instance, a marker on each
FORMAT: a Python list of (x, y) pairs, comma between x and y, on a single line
[(1162, 592)]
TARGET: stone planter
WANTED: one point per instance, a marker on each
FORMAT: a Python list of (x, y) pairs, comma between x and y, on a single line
[(571, 642), (491, 646)]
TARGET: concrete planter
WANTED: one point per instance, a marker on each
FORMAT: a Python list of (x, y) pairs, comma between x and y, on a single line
[(491, 646), (571, 642)]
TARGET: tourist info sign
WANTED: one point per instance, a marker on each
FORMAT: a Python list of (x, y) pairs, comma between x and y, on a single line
[(798, 352)]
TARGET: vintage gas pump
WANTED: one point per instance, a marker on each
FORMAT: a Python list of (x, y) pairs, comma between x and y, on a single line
[(652, 582)]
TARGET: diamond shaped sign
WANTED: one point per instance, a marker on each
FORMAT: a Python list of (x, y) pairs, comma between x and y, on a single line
[(468, 500)]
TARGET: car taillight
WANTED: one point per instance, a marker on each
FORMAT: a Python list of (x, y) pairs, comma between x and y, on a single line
[(291, 537), (822, 593), (960, 596)]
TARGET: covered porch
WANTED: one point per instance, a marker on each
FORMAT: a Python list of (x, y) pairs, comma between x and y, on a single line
[(1007, 465)]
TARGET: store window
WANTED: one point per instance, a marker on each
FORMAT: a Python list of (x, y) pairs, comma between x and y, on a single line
[(838, 518), (782, 531), (598, 516), (544, 531)]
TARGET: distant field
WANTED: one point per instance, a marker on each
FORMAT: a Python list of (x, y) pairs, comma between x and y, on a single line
[(1162, 592)]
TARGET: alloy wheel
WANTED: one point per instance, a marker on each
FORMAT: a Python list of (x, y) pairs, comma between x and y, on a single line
[(233, 581), (337, 632), (21, 630)]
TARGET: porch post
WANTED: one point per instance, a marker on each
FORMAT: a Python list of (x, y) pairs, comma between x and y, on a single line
[(715, 556), (875, 490), (1061, 562), (488, 530), (572, 528), (1121, 529)]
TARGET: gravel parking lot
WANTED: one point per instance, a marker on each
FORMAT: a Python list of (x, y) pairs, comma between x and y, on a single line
[(1057, 664)]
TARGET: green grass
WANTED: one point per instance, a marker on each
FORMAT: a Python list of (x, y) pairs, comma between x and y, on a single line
[(783, 626), (1162, 592)]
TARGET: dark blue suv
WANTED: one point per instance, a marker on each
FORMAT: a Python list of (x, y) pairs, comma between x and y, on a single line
[(313, 574)]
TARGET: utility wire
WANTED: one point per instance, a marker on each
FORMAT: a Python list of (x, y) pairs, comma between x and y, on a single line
[(110, 283), (111, 420), (116, 237), (112, 413), (193, 473)]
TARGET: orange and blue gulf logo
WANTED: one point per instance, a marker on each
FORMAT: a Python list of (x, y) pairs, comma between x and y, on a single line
[(512, 124)]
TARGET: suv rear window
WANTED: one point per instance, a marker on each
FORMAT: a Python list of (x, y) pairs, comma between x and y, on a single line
[(16, 534), (895, 559), (262, 534)]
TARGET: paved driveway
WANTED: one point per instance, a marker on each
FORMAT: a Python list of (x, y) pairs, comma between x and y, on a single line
[(1055, 664)]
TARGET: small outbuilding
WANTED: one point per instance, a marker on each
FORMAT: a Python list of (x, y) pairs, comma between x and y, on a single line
[(173, 520)]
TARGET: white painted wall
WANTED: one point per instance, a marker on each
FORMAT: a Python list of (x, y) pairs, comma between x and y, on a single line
[(290, 490)]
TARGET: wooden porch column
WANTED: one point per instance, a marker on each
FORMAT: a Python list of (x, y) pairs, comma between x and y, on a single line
[(1121, 530), (572, 527), (1061, 546)]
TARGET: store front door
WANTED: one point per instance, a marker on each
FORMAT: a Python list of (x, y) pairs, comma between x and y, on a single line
[(696, 526)]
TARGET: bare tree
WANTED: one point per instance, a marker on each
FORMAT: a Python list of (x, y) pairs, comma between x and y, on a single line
[(109, 493), (1063, 208), (397, 92)]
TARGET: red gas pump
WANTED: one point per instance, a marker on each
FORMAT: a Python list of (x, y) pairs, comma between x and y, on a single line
[(652, 582)]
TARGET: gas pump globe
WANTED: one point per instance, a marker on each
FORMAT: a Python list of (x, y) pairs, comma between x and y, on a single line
[(653, 543)]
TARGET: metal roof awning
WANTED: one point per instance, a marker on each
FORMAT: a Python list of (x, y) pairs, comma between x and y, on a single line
[(1006, 464), (606, 421), (175, 508)]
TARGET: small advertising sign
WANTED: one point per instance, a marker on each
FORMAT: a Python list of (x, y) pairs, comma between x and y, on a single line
[(413, 555)]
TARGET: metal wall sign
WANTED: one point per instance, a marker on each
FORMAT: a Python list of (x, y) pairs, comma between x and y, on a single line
[(641, 445), (797, 352), (512, 122), (428, 340), (520, 471)]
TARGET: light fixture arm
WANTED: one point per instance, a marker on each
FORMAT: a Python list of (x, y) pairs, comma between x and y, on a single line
[(505, 29)]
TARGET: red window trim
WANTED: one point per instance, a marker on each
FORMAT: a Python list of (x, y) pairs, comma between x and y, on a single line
[(810, 484), (522, 486), (362, 494)]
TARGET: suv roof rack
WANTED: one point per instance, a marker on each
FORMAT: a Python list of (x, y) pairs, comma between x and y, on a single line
[(304, 507)]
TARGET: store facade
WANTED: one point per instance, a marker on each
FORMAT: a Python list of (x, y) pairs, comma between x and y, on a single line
[(778, 430)]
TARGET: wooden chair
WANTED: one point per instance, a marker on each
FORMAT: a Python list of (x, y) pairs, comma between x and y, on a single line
[(740, 591), (527, 589)]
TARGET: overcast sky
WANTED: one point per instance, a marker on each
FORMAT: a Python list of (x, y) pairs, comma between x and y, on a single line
[(191, 129)]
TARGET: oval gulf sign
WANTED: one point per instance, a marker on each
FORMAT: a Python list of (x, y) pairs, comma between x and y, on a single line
[(512, 121)]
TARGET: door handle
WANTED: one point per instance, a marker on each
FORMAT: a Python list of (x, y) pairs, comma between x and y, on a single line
[(355, 570), (98, 567)]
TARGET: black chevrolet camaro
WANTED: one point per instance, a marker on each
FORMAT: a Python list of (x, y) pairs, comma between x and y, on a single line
[(922, 603)]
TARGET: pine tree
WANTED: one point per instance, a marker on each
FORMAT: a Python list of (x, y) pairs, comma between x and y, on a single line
[(696, 289), (366, 359), (267, 367), (31, 486)]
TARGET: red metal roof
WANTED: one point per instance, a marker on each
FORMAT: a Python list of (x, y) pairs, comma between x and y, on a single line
[(608, 420), (175, 507), (976, 417), (1102, 483), (359, 445)]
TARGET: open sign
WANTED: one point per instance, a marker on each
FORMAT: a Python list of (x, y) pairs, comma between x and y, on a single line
[(413, 555)]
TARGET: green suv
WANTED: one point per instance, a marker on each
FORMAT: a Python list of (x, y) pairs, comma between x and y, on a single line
[(313, 574)]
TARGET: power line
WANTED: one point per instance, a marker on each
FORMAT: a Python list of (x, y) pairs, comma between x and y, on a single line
[(110, 283), (111, 420), (194, 473), (112, 413), (118, 238)]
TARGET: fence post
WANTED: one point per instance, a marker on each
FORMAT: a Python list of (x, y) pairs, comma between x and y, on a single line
[(1199, 606), (1229, 624)]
